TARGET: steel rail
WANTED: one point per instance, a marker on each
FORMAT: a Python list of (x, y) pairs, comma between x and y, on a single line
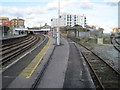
[(98, 57), (93, 70), (117, 48), (13, 50), (20, 50), (20, 45), (117, 41), (13, 47), (8, 46), (100, 62), (97, 77)]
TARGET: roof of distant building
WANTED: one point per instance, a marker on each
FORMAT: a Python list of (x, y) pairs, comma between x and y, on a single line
[(17, 19), (4, 17), (92, 29)]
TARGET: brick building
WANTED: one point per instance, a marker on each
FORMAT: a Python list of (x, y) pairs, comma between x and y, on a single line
[(12, 24), (17, 23), (90, 27), (4, 21)]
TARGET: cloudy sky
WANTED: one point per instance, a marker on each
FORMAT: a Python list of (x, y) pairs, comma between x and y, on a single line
[(101, 13)]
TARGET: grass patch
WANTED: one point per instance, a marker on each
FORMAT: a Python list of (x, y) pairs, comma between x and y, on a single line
[(64, 34), (84, 41), (106, 40)]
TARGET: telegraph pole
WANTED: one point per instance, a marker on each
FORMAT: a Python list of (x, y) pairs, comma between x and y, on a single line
[(58, 29)]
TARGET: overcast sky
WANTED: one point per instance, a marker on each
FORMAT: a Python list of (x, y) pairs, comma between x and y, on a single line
[(102, 13)]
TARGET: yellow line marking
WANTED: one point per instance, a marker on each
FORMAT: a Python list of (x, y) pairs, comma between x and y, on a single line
[(28, 71)]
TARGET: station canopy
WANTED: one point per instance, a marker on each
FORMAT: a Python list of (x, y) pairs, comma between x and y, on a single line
[(26, 29), (21, 29)]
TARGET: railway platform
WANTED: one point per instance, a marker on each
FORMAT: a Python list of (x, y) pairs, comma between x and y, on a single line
[(56, 69)]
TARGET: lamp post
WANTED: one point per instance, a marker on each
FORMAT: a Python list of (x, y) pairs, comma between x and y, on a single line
[(58, 29)]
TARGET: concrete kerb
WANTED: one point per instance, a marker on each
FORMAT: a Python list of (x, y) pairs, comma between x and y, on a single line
[(86, 68)]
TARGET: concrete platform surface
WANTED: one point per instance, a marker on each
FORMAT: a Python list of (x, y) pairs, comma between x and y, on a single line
[(66, 69), (77, 74), (55, 72)]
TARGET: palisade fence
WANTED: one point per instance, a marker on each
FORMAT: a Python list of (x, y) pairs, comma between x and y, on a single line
[(84, 34)]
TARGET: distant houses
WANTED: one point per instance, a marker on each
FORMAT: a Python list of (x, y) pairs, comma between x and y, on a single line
[(8, 25)]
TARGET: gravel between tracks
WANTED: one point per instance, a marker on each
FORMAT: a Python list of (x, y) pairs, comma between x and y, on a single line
[(108, 53)]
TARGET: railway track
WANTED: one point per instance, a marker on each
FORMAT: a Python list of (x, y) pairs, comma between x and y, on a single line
[(12, 50), (104, 76), (115, 44), (14, 42), (12, 45), (117, 41)]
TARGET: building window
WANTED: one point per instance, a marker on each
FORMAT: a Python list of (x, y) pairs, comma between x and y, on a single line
[(75, 16), (67, 16)]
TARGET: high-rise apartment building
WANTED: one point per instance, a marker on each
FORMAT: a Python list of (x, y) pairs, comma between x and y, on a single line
[(69, 20)]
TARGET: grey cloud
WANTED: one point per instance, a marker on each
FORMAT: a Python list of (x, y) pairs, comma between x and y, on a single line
[(112, 3), (87, 5), (51, 9)]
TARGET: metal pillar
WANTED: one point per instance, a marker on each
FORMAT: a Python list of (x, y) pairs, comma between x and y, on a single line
[(58, 29)]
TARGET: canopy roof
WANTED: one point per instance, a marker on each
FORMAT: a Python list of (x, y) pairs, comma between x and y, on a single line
[(26, 29)]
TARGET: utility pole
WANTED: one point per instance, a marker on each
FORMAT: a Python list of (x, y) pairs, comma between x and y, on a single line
[(58, 29)]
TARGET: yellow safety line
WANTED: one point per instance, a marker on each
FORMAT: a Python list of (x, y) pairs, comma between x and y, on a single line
[(28, 71)]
